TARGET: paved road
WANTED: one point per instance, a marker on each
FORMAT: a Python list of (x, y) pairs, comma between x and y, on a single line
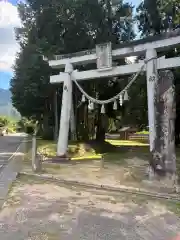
[(8, 145)]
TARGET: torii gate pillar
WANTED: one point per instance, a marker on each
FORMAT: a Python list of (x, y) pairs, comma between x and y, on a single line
[(161, 115), (66, 111), (152, 78)]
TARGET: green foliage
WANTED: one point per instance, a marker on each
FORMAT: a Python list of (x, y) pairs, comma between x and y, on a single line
[(155, 16), (8, 123), (3, 121), (149, 18), (26, 125), (30, 85), (135, 110)]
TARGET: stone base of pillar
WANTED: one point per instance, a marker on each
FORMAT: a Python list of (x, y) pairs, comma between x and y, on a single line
[(169, 180), (150, 173)]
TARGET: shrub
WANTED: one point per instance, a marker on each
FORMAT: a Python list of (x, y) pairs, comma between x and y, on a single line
[(3, 121), (26, 125)]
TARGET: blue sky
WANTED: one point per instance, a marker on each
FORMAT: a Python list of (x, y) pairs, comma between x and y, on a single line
[(135, 2), (8, 46), (14, 2)]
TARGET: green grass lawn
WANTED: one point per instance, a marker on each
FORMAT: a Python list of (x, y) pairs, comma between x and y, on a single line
[(113, 151), (143, 132), (81, 151), (75, 151), (120, 150), (126, 143)]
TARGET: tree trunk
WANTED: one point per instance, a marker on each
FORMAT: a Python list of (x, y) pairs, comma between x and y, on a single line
[(100, 133), (73, 124), (163, 159), (55, 117), (85, 133), (47, 133)]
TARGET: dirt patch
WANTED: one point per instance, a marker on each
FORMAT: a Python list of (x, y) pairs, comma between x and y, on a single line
[(131, 172)]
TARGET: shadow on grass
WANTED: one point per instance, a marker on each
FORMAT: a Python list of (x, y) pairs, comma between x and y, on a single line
[(117, 154), (106, 147), (114, 152)]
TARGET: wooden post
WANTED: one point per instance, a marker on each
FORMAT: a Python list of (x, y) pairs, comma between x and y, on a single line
[(36, 161), (25, 142), (102, 162), (65, 112)]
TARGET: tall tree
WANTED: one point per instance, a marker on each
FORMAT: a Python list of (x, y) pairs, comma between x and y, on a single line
[(156, 16), (58, 27)]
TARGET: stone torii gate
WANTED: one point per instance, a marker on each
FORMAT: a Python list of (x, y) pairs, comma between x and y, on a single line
[(160, 89)]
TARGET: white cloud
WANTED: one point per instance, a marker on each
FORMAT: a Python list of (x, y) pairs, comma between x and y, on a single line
[(9, 19)]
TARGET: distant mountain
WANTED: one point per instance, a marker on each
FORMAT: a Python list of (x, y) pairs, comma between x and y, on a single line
[(5, 96), (6, 108)]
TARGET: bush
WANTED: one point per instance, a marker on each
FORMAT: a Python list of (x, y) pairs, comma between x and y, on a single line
[(3, 121), (26, 125), (29, 129)]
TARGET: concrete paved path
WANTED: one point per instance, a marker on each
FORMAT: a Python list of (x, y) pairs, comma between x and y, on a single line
[(44, 211)]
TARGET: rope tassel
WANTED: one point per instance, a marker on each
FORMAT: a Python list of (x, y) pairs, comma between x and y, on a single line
[(126, 97), (91, 105), (121, 100), (103, 109), (83, 98), (115, 105)]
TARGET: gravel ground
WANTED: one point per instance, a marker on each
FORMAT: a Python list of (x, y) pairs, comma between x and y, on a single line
[(131, 174), (44, 211)]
